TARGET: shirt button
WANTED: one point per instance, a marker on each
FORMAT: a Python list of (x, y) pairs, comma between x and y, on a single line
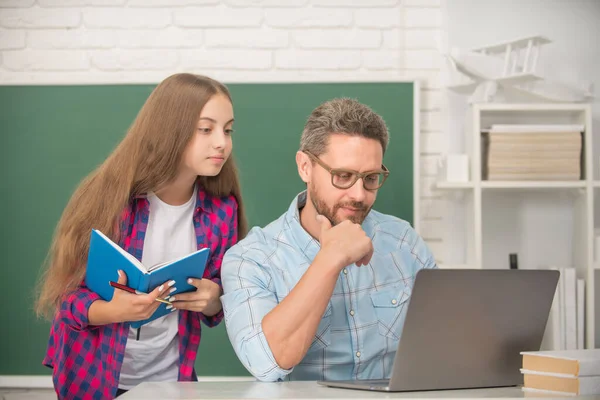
[(358, 354), (345, 271), (352, 312), (394, 301)]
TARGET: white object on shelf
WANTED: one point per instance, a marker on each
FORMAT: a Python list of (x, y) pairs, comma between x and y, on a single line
[(565, 326), (553, 334), (570, 305), (455, 167), (580, 313)]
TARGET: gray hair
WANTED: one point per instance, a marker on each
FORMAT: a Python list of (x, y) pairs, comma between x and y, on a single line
[(342, 116)]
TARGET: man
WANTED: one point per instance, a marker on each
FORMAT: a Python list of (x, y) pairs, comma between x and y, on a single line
[(321, 293)]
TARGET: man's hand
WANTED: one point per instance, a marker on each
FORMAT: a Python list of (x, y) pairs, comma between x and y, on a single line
[(346, 243)]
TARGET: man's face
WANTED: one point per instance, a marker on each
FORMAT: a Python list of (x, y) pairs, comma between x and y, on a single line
[(351, 153)]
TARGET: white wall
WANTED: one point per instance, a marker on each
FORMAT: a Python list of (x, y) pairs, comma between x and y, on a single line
[(573, 27), (129, 41)]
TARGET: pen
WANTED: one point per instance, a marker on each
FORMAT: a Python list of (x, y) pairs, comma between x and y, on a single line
[(130, 290)]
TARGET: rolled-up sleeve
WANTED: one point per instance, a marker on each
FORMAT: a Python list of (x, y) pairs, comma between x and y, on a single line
[(246, 300), (75, 306)]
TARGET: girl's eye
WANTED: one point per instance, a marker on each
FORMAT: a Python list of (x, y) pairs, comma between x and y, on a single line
[(204, 130), (229, 131)]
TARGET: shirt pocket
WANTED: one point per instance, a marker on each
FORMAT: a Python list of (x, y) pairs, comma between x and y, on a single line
[(390, 309), (323, 336)]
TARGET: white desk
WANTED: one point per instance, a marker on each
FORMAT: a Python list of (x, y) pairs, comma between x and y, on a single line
[(300, 390)]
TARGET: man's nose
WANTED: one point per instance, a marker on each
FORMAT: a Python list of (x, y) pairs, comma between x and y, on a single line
[(357, 192)]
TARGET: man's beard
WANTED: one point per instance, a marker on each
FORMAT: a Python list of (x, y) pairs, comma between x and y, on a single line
[(331, 213)]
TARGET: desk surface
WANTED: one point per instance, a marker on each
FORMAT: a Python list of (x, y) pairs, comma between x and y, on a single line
[(300, 390)]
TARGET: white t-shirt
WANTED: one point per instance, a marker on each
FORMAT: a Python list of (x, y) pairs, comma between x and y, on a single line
[(155, 356)]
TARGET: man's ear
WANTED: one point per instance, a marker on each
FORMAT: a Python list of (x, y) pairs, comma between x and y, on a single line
[(304, 166)]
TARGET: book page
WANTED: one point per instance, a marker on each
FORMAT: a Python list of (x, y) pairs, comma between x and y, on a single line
[(131, 258), (164, 264)]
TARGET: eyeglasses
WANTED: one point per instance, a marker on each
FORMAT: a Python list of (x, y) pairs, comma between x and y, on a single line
[(346, 178)]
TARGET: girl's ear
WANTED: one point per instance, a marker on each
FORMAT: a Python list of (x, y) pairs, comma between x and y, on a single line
[(304, 166)]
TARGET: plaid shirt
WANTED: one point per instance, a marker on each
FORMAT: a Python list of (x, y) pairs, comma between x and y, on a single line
[(359, 332), (86, 360)]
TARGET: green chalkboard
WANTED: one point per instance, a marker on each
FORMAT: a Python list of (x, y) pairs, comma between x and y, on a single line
[(53, 136)]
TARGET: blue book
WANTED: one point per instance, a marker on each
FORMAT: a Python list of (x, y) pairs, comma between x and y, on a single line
[(105, 258)]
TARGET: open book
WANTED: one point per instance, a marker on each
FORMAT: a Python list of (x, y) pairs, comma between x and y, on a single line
[(105, 258)]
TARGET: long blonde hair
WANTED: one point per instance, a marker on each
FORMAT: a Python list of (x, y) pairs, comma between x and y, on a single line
[(146, 159)]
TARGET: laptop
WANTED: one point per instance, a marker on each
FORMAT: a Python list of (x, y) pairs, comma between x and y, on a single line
[(466, 329)]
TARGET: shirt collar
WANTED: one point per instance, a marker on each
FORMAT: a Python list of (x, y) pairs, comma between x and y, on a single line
[(204, 201), (298, 236)]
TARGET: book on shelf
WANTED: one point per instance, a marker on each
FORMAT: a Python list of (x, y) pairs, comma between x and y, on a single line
[(544, 128), (532, 176), (553, 334), (520, 155), (532, 163), (580, 304), (566, 321), (535, 137)]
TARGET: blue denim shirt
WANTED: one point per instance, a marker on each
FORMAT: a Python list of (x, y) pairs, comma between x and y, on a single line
[(360, 329)]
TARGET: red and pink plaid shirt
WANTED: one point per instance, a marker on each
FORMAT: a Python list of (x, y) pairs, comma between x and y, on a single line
[(86, 360)]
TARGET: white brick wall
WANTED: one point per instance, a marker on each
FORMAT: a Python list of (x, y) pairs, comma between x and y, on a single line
[(120, 41), (38, 17), (308, 17)]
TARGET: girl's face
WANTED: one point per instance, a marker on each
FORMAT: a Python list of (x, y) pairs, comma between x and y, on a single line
[(211, 143)]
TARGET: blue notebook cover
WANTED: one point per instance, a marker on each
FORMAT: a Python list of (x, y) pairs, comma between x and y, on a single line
[(105, 258)]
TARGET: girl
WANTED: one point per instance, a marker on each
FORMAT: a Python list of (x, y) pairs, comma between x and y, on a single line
[(168, 189)]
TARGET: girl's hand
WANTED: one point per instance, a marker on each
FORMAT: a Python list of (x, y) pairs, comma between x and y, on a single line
[(206, 298), (137, 307)]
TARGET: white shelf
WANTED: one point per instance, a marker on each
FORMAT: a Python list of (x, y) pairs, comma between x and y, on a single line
[(515, 185), (519, 216), (532, 184), (528, 107), (455, 185), (458, 266)]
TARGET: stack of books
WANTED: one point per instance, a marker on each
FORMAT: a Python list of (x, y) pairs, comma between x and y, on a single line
[(561, 373), (532, 152)]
